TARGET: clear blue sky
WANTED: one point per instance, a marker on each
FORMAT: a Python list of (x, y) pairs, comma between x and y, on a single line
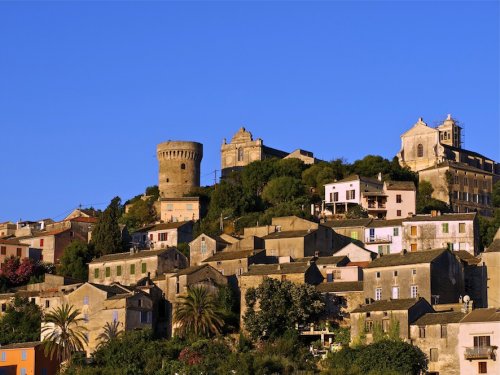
[(87, 89)]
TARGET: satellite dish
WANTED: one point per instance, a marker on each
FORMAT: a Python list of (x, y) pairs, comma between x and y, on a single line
[(466, 299)]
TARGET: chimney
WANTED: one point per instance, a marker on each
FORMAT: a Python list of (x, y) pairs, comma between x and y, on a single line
[(379, 177)]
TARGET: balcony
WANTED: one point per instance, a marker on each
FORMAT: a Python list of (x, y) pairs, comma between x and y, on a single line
[(379, 239), (480, 352), (376, 206)]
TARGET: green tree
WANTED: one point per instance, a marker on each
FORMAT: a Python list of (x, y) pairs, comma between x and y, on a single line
[(282, 305), (495, 198), (371, 166), (106, 235), (20, 322), (197, 314), (141, 212), (425, 202), (111, 331), (74, 262), (283, 189), (63, 333), (356, 212), (488, 227), (289, 167)]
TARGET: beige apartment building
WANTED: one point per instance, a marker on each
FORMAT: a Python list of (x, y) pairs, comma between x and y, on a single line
[(453, 231), (13, 248), (130, 267), (203, 247), (180, 209), (460, 177), (163, 235)]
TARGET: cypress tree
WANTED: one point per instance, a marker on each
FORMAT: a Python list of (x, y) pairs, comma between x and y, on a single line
[(106, 236)]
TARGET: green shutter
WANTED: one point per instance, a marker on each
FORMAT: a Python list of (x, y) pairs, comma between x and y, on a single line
[(118, 270), (96, 273), (132, 269), (143, 267), (108, 272)]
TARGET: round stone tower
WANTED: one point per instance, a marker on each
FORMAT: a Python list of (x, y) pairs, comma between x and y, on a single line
[(179, 167)]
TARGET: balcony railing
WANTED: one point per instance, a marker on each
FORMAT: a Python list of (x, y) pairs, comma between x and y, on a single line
[(376, 239), (480, 352)]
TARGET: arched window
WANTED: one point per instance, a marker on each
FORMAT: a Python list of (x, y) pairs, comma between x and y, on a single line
[(240, 154), (183, 166), (420, 150)]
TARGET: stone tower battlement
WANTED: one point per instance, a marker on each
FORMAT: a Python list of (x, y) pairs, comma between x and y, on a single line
[(179, 167)]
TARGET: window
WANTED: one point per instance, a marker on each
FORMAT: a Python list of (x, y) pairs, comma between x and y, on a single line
[(413, 230), (462, 246), (444, 227), (189, 207), (3, 250), (354, 235), (395, 273), (163, 236), (380, 249), (377, 275), (23, 371), (398, 213), (44, 371), (369, 326), (145, 317), (421, 332), (177, 287), (413, 247), (395, 232), (3, 357), (24, 355), (329, 277), (19, 252), (170, 207), (240, 154), (115, 316), (132, 269), (4, 307), (434, 355), (118, 270), (41, 242), (461, 227), (183, 166), (336, 197), (139, 302), (395, 292), (86, 300), (482, 368), (47, 304), (398, 198), (414, 291), (466, 181), (143, 267), (96, 273), (444, 331), (203, 247), (414, 271), (350, 194), (378, 294), (420, 150), (481, 341), (108, 271)]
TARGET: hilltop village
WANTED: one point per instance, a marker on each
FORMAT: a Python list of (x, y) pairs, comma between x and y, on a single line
[(287, 264)]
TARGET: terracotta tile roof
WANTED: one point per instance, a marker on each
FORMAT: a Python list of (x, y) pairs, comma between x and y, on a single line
[(288, 234), (83, 219), (400, 185), (388, 305), (181, 199), (51, 233), (332, 260), (12, 241), (415, 257), (445, 317), (277, 269), (128, 255), (340, 286), (356, 177), (21, 345), (482, 315), (231, 255), (348, 223), (443, 217), (359, 264)]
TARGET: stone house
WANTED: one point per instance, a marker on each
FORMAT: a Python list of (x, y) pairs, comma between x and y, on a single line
[(341, 298), (350, 230), (491, 259), (436, 334), (356, 253), (338, 269), (130, 267), (236, 262), (180, 209), (436, 275), (101, 304), (453, 231), (7, 229), (384, 236), (13, 248), (387, 314), (296, 272), (204, 246), (478, 342), (163, 235)]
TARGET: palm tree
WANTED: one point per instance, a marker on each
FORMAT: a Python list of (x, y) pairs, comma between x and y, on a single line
[(111, 332), (62, 332), (197, 314)]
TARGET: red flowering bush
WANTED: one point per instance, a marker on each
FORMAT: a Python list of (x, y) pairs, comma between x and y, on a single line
[(18, 271), (190, 356)]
